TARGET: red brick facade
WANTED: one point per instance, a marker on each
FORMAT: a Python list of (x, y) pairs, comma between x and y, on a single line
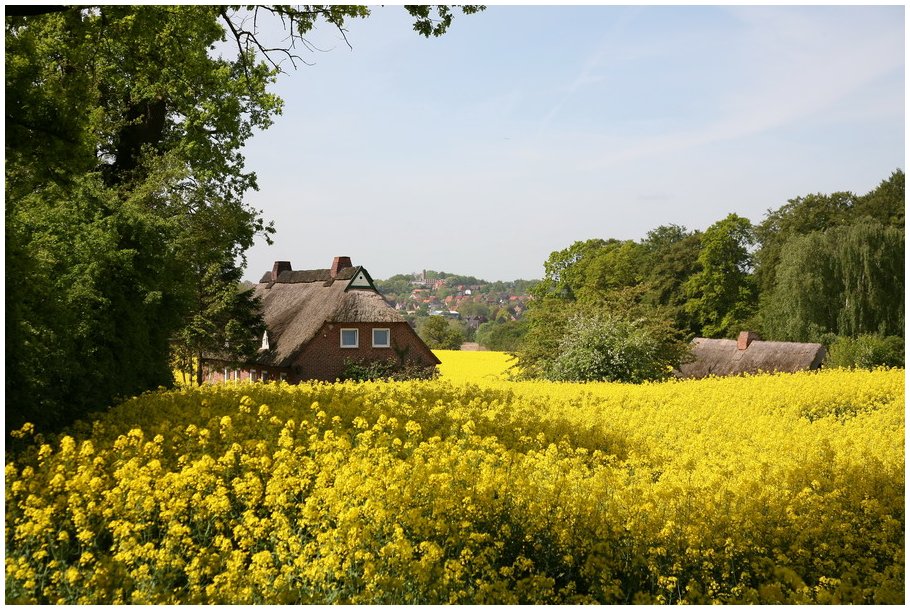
[(324, 359)]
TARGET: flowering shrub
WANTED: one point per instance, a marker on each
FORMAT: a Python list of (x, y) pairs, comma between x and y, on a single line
[(608, 347), (777, 488)]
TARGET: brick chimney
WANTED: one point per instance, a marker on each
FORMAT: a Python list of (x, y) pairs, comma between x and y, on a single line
[(278, 267), (340, 262), (745, 338)]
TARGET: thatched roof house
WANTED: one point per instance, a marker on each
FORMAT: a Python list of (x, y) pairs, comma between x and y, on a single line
[(318, 320), (747, 354)]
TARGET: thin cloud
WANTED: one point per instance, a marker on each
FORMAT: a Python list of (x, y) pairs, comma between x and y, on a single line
[(797, 72), (587, 76)]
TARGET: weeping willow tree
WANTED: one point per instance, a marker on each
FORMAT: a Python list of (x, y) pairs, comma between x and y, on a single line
[(871, 264), (848, 280), (803, 302)]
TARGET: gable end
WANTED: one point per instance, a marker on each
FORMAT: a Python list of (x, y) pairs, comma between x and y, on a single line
[(361, 281)]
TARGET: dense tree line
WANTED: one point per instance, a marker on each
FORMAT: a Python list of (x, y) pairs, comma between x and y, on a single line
[(126, 224), (822, 268)]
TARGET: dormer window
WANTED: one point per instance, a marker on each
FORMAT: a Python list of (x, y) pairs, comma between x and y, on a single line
[(265, 340)]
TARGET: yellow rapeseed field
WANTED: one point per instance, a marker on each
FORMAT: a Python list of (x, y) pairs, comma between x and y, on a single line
[(777, 488), (478, 366)]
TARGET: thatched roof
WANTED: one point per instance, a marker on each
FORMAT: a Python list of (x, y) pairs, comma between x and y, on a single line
[(723, 357), (296, 306)]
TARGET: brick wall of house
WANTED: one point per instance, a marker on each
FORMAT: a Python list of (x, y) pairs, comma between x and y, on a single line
[(324, 359)]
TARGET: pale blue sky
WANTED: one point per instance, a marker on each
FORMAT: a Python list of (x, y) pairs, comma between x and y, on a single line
[(525, 129)]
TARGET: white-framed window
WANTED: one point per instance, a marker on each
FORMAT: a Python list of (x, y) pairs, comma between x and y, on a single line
[(350, 337), (284, 376), (252, 374), (265, 375), (381, 337)]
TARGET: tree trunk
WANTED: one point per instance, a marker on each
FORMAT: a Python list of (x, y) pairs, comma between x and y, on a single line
[(199, 370)]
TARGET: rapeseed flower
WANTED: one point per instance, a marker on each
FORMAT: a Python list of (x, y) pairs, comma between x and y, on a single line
[(773, 488)]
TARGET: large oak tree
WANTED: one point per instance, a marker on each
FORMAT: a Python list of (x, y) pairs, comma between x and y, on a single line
[(125, 185)]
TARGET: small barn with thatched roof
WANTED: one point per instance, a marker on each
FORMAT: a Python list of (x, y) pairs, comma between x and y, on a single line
[(319, 320), (747, 354)]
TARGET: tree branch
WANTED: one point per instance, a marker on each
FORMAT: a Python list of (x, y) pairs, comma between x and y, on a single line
[(296, 21), (244, 37)]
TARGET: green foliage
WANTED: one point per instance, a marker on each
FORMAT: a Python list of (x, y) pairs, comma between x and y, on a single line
[(722, 295), (657, 267), (664, 237), (453, 280), (610, 347), (547, 321), (142, 180), (804, 302), (473, 308), (886, 203), (866, 352), (826, 264), (372, 370), (125, 218), (396, 286), (225, 324), (819, 212), (501, 336), (428, 24), (848, 280), (617, 338), (799, 216), (596, 285), (834, 264), (566, 271), (673, 258), (439, 332), (92, 298), (870, 259)]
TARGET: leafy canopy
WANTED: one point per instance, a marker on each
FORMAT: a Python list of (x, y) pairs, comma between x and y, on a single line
[(126, 224), (722, 295)]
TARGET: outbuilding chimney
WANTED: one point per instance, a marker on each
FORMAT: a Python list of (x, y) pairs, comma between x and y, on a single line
[(340, 262), (278, 267), (745, 338)]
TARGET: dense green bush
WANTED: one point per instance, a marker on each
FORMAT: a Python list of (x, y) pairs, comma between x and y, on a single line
[(866, 352), (608, 347)]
